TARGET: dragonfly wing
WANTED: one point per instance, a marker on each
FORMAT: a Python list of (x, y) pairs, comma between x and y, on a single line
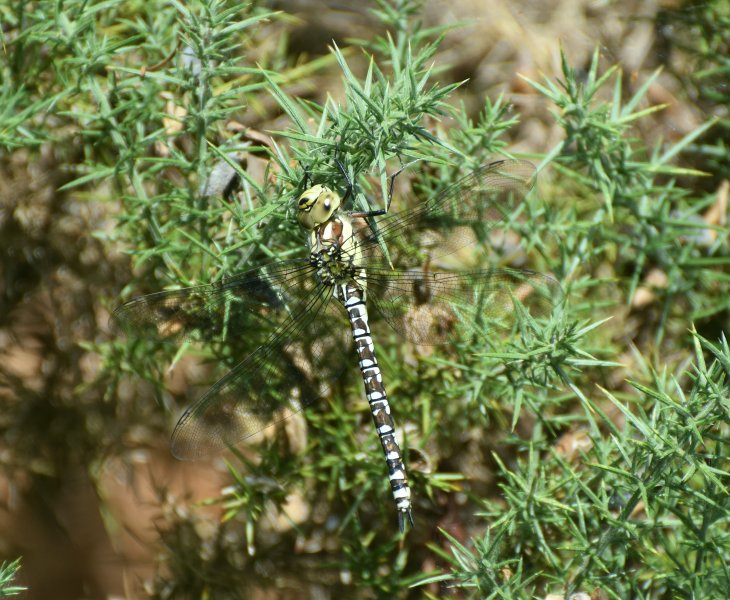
[(293, 369), (287, 369), (222, 310), (425, 307), (439, 279), (475, 211)]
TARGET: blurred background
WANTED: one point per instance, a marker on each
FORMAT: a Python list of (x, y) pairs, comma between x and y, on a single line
[(92, 499)]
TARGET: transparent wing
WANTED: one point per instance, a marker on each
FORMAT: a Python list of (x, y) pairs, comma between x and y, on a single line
[(425, 307), (423, 274), (221, 310), (293, 369), (472, 212), (281, 310)]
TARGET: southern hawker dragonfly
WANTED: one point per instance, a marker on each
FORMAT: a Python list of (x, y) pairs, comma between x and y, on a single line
[(292, 310)]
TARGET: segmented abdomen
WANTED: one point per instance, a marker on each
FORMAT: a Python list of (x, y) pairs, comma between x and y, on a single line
[(353, 298)]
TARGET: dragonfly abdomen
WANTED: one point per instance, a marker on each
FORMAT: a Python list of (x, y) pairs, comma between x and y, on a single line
[(352, 297)]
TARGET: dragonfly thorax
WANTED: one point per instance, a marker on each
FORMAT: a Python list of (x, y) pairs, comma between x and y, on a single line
[(334, 251), (332, 247)]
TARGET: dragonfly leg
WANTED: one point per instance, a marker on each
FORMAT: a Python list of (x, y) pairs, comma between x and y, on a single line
[(345, 175), (391, 186), (307, 176)]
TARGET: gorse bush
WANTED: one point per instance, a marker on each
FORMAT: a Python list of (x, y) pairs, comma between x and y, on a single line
[(581, 449)]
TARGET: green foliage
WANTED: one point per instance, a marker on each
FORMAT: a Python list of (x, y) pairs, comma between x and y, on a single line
[(699, 32), (579, 450), (658, 227), (7, 575), (641, 513), (383, 115), (132, 101), (639, 509)]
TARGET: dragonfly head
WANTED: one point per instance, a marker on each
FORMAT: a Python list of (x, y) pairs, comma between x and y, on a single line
[(316, 206)]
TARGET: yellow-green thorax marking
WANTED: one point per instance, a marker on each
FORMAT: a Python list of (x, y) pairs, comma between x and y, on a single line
[(333, 248)]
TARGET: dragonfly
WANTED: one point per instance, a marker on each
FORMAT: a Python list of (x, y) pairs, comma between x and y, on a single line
[(296, 312)]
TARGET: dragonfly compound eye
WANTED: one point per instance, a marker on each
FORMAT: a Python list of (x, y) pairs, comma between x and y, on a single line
[(316, 206)]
